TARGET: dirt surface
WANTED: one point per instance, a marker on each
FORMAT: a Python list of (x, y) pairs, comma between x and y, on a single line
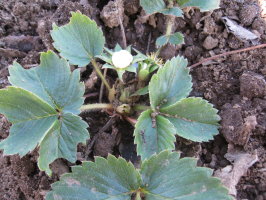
[(235, 84)]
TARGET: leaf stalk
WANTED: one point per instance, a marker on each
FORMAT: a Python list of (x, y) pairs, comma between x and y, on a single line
[(139, 107), (169, 28), (98, 71), (96, 106)]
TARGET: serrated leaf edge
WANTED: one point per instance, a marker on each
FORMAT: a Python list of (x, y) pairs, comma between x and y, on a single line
[(161, 70)]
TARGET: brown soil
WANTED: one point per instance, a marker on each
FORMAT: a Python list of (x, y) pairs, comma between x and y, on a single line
[(235, 85)]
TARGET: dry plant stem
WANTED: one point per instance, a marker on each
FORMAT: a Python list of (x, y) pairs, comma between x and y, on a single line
[(94, 94), (226, 54), (149, 44), (122, 29), (102, 86), (98, 71), (96, 106), (130, 120)]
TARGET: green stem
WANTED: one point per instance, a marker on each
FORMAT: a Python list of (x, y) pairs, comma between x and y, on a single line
[(170, 4), (138, 197), (96, 106), (169, 28), (138, 107), (158, 52), (170, 22), (98, 71)]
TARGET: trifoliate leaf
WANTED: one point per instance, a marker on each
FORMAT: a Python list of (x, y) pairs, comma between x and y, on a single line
[(159, 6), (171, 83), (173, 39), (194, 119), (163, 177), (41, 108), (166, 177), (153, 134), (80, 40), (203, 5), (111, 178)]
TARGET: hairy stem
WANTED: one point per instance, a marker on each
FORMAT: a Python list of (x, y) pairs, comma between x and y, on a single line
[(138, 197), (96, 106), (170, 23), (98, 71)]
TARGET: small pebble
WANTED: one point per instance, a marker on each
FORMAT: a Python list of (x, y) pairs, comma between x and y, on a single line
[(248, 13), (210, 43)]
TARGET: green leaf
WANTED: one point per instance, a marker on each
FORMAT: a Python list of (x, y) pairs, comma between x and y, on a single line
[(52, 81), (159, 6), (174, 39), (105, 58), (61, 140), (163, 177), (161, 41), (172, 11), (171, 83), (153, 135), (166, 177), (203, 5), (111, 178), (41, 105), (29, 115), (194, 119), (120, 73), (141, 91), (80, 40)]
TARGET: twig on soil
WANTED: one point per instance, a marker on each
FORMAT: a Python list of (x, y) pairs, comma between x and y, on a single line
[(91, 95), (104, 128), (107, 125), (102, 86), (149, 44), (226, 54), (122, 27), (92, 142), (12, 53)]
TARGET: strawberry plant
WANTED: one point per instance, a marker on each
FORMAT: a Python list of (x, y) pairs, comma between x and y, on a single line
[(43, 104), (172, 9), (162, 177)]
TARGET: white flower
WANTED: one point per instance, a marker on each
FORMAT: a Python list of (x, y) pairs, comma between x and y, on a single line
[(122, 59)]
